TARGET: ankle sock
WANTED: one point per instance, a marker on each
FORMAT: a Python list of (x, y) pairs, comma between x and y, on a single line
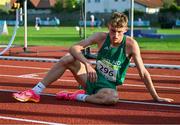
[(81, 97), (39, 88)]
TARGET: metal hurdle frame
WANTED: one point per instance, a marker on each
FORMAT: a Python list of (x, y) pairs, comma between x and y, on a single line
[(14, 33), (50, 60)]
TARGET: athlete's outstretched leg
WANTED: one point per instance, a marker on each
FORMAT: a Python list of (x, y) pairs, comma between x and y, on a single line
[(105, 96)]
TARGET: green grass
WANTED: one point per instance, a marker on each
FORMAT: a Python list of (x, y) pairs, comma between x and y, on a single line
[(159, 44), (67, 36), (168, 31)]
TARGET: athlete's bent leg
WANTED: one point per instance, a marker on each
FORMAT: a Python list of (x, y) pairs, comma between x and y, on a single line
[(58, 69), (105, 96), (79, 71), (66, 62)]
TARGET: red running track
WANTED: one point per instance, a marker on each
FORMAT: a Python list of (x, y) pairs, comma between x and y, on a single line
[(139, 108)]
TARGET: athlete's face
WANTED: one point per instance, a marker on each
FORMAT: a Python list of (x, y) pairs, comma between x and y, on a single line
[(116, 34)]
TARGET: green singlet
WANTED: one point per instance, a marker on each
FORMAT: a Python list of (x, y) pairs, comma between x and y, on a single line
[(111, 67)]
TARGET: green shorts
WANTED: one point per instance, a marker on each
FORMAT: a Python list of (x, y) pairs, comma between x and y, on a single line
[(93, 88)]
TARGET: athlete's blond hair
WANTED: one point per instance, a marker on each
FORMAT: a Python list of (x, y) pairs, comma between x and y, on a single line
[(118, 20)]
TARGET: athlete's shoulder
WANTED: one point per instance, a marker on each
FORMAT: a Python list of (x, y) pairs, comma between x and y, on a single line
[(130, 41), (101, 35), (99, 38), (131, 45)]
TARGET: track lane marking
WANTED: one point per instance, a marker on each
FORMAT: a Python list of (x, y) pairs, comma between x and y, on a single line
[(128, 74), (64, 80), (24, 67), (30, 121), (14, 76), (149, 103), (120, 100), (31, 75), (165, 76)]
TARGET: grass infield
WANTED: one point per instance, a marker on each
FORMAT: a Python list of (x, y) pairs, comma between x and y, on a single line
[(67, 36)]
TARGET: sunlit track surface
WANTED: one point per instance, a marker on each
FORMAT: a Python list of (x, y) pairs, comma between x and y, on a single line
[(48, 60), (135, 106)]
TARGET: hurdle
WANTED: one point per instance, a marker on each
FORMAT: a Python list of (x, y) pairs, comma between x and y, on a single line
[(14, 33), (50, 60)]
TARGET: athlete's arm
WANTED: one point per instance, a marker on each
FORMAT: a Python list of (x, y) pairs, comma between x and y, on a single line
[(76, 49), (144, 74)]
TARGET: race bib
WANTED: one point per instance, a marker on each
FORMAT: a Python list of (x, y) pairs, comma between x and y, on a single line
[(108, 70)]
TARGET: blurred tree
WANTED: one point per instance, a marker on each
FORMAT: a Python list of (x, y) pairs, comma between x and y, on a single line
[(66, 5), (178, 2), (167, 3), (72, 5), (29, 5), (59, 6), (168, 14), (170, 6)]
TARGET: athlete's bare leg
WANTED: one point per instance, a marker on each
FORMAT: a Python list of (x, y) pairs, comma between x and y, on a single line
[(66, 62), (103, 96)]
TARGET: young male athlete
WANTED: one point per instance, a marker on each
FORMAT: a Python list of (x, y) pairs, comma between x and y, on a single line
[(115, 50)]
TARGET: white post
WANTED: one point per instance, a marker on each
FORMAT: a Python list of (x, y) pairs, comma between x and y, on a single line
[(132, 18), (25, 25), (21, 14), (84, 19), (87, 50)]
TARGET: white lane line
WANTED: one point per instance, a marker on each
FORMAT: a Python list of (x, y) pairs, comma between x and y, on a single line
[(31, 75), (65, 80), (161, 87), (14, 76), (120, 101), (165, 76), (27, 76), (149, 103), (30, 121), (23, 67), (128, 74)]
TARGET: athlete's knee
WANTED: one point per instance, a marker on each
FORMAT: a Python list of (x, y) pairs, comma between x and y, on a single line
[(109, 96), (110, 100), (66, 60), (114, 100)]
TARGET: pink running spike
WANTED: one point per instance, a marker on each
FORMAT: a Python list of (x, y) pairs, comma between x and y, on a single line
[(69, 95), (25, 96)]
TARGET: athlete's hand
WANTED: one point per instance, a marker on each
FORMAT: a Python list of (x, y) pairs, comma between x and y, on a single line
[(91, 73), (159, 99)]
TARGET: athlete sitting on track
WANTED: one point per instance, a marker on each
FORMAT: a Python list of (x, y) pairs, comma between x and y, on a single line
[(99, 84)]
